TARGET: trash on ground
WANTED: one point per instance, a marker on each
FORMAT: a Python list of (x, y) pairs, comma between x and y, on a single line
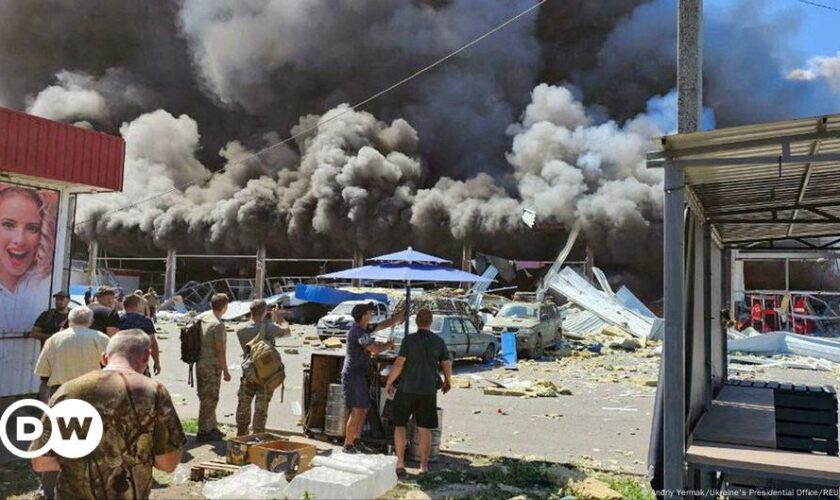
[(332, 343), (248, 482)]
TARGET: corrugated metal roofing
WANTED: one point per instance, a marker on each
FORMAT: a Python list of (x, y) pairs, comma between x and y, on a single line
[(762, 182), (572, 286), (583, 322), (37, 147)]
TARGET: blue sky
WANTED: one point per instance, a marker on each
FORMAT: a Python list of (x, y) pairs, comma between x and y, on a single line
[(819, 31)]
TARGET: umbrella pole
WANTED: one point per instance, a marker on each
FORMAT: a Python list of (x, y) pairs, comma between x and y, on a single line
[(407, 307)]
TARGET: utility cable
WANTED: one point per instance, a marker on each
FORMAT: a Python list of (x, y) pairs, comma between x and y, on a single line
[(373, 97), (817, 4)]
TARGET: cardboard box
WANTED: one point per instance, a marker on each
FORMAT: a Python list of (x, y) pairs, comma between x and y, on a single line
[(238, 448), (282, 456)]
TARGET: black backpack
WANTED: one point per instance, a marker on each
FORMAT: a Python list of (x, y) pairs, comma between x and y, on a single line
[(191, 346)]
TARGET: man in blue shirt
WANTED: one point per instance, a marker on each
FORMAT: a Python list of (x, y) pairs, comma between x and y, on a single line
[(360, 346), (132, 318)]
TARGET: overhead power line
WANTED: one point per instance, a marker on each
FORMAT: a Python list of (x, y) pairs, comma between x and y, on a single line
[(359, 104), (817, 4)]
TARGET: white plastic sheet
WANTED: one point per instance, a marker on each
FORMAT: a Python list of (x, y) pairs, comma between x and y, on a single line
[(248, 482), (346, 476)]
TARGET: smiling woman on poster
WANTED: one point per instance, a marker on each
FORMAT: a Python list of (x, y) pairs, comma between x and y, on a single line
[(27, 241)]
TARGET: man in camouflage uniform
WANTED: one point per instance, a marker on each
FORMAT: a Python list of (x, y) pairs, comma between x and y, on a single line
[(141, 429), (275, 326), (211, 367)]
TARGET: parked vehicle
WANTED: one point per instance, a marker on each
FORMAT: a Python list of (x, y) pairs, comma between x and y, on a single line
[(338, 321), (536, 325), (459, 331)]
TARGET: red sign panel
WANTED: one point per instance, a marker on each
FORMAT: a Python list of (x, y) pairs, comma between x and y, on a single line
[(37, 147)]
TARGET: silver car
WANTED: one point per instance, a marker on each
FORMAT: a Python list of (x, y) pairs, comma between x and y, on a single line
[(459, 332), (537, 326), (338, 321)]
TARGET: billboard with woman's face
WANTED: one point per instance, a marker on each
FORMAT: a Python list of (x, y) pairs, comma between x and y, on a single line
[(27, 243)]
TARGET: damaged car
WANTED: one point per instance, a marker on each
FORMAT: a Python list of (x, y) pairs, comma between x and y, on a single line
[(537, 326), (338, 321)]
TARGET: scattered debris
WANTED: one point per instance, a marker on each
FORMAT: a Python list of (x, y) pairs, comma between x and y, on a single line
[(603, 305), (496, 391), (291, 351), (529, 389), (332, 343), (562, 476), (461, 383), (594, 489), (628, 344), (812, 353)]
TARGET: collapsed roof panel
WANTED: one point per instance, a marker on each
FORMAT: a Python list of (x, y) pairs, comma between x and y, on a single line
[(577, 290)]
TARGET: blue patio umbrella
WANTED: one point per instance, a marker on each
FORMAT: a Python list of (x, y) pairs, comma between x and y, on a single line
[(407, 266)]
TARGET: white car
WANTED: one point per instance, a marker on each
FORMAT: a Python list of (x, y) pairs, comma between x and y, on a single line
[(338, 321)]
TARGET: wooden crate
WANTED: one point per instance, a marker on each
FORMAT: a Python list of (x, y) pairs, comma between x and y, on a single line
[(198, 472), (238, 448)]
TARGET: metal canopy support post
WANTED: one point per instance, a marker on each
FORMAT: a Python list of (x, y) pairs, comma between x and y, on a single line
[(93, 253), (259, 276), (674, 346), (734, 262), (689, 108), (466, 256), (707, 313), (169, 276)]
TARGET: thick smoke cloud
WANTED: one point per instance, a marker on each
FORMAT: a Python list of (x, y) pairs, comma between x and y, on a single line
[(301, 57), (454, 155), (820, 67)]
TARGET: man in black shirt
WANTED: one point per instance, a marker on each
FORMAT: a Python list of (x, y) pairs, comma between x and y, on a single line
[(133, 318), (420, 356), (105, 317), (52, 320), (49, 322)]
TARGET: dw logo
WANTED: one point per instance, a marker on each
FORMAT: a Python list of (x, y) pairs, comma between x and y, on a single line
[(76, 428)]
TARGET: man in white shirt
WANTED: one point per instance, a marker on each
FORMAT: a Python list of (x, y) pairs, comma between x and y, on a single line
[(71, 352)]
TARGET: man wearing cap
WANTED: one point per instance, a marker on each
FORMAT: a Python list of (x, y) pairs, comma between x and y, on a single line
[(48, 323), (360, 346), (52, 320), (105, 317)]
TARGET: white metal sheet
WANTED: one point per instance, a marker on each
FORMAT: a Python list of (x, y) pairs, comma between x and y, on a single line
[(18, 357), (572, 286)]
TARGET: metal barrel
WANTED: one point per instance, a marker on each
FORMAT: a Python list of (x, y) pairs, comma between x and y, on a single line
[(414, 443), (335, 422)]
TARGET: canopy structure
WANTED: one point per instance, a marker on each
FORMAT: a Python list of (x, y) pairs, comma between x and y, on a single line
[(406, 273), (748, 186), (411, 255), (763, 182), (407, 266)]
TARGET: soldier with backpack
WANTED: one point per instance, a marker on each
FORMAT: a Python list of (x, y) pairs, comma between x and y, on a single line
[(211, 367), (265, 327)]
